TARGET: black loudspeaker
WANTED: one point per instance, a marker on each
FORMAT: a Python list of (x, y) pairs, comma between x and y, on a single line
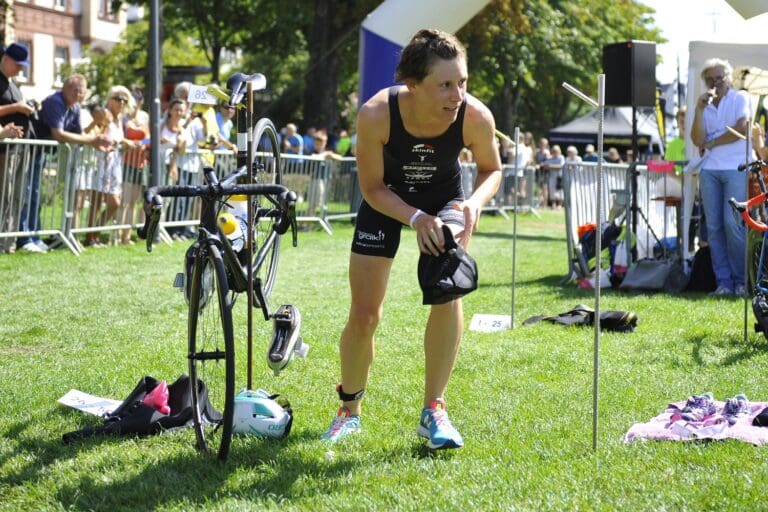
[(630, 73)]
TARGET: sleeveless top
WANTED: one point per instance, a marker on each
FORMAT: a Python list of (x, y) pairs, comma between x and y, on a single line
[(135, 157), (418, 168)]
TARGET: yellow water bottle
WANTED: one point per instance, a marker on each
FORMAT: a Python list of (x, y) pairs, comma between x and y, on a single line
[(238, 205), (232, 227)]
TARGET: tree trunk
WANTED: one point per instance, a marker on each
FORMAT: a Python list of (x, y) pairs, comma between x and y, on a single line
[(320, 108), (215, 63), (505, 117), (3, 18)]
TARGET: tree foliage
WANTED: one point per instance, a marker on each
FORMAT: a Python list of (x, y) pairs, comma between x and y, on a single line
[(220, 24), (307, 50), (333, 43), (520, 53), (126, 63)]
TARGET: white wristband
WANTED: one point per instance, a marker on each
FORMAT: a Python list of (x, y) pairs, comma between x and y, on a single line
[(416, 215)]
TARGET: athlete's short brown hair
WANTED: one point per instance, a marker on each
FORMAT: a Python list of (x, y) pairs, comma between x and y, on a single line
[(426, 46)]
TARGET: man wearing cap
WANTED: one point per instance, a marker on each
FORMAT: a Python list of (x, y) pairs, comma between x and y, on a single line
[(14, 112), (59, 120)]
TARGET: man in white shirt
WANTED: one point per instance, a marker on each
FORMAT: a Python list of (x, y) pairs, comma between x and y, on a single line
[(716, 110)]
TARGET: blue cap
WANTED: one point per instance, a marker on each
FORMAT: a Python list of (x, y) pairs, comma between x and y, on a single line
[(18, 53)]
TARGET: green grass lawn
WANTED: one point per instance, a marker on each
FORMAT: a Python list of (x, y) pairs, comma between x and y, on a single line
[(522, 398)]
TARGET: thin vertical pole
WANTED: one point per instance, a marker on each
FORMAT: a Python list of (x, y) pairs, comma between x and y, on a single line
[(155, 67), (249, 239), (747, 154), (598, 250), (514, 228)]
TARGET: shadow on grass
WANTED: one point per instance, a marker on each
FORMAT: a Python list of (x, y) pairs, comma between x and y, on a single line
[(268, 471), (420, 450), (554, 237), (37, 452), (554, 281), (733, 348), (190, 477), (566, 289)]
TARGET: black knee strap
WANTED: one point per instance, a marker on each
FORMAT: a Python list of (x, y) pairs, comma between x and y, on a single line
[(349, 397)]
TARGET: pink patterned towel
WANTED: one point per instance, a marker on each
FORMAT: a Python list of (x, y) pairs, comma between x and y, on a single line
[(669, 426)]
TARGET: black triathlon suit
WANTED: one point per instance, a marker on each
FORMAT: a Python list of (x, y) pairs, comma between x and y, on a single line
[(425, 173)]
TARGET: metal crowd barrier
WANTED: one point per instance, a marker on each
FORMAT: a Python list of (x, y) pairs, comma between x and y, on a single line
[(657, 210), (72, 208), (89, 209), (325, 188), (659, 220), (33, 190), (504, 200)]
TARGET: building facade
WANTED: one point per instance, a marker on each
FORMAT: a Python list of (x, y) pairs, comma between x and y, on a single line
[(56, 33)]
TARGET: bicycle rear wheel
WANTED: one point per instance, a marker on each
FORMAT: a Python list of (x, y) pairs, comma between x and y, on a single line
[(266, 170), (211, 353)]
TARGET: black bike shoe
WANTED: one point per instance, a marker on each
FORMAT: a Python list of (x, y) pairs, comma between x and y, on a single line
[(285, 338)]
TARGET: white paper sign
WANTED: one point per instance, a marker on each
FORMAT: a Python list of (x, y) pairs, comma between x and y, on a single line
[(89, 403), (490, 323), (200, 94)]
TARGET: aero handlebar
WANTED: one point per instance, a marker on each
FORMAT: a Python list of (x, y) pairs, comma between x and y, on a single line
[(153, 203)]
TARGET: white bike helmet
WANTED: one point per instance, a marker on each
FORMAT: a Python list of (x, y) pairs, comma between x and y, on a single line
[(261, 414)]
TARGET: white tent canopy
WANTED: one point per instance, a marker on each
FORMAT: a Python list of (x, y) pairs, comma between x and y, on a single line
[(749, 8), (739, 55)]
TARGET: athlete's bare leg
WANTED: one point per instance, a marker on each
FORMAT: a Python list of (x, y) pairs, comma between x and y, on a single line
[(368, 277), (441, 346)]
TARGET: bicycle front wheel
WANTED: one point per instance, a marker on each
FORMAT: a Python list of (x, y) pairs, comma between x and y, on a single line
[(266, 169), (211, 353)]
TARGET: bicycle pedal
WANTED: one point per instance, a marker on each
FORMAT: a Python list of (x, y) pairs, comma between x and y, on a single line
[(178, 281), (286, 323)]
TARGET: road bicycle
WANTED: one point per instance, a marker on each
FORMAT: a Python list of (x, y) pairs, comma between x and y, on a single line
[(215, 274), (757, 256)]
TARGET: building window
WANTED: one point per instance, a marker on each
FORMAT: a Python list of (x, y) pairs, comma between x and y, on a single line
[(106, 12), (25, 76), (60, 59), (60, 4)]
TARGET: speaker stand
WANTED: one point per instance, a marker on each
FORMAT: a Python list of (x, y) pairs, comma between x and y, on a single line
[(637, 212)]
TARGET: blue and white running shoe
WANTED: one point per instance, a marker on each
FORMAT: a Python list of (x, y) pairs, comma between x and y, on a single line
[(342, 425), (436, 427), (735, 407), (699, 407)]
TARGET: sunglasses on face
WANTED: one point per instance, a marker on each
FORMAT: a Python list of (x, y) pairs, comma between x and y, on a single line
[(713, 79), (121, 99)]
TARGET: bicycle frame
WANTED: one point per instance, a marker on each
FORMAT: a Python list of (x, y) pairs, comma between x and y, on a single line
[(214, 270), (743, 209), (237, 270)]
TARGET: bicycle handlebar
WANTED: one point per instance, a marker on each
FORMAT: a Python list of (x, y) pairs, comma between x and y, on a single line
[(742, 208), (153, 204)]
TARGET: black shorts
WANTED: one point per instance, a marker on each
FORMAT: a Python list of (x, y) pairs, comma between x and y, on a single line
[(377, 234)]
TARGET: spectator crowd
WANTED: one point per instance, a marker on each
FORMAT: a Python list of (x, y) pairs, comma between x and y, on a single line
[(118, 129)]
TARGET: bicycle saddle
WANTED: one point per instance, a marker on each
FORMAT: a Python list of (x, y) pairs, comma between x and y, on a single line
[(238, 84)]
